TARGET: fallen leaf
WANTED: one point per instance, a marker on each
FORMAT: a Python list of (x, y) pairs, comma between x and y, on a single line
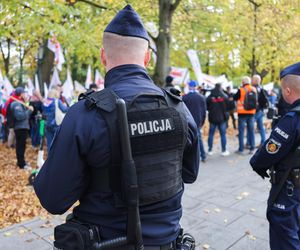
[(206, 246), (207, 211), (7, 234), (225, 220), (217, 210), (248, 232), (239, 197), (252, 210)]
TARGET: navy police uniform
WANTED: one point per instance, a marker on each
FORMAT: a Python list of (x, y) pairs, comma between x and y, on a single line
[(284, 214), (82, 144)]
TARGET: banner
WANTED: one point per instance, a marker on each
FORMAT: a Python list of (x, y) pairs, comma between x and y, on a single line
[(192, 55), (180, 75), (89, 79)]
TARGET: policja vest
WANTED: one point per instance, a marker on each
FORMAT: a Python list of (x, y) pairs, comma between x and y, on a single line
[(240, 102), (158, 133)]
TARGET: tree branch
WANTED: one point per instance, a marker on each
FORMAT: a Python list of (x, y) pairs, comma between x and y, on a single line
[(254, 3), (93, 4), (2, 52), (28, 7), (174, 5)]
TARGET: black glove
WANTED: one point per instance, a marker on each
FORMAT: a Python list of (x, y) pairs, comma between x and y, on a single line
[(262, 173)]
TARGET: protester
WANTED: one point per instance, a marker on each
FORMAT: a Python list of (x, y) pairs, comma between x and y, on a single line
[(217, 117), (86, 144), (49, 113), (20, 113), (169, 80), (197, 105), (280, 153), (93, 86), (231, 106), (261, 105), (246, 111), (36, 103)]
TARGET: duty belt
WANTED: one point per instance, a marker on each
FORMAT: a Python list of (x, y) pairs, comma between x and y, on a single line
[(294, 177)]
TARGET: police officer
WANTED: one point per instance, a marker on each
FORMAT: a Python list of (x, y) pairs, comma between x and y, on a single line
[(280, 153), (83, 145)]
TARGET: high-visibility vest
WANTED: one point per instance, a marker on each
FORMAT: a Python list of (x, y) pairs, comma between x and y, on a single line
[(240, 102)]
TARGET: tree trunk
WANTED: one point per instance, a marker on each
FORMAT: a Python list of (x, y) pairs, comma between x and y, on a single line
[(6, 59), (45, 65), (162, 67)]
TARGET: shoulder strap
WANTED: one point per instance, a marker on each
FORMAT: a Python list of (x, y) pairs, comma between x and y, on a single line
[(106, 179)]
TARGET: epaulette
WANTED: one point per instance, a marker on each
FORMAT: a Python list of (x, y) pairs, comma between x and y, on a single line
[(104, 99), (173, 93)]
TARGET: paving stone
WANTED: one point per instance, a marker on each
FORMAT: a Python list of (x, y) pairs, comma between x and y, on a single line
[(250, 243), (248, 223), (20, 238), (248, 206), (217, 214)]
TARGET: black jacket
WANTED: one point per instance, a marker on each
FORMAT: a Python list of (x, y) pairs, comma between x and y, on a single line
[(217, 103)]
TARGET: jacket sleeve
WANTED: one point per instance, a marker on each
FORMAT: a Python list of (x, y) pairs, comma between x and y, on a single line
[(65, 175), (204, 108), (19, 113), (62, 107), (278, 145), (190, 165), (237, 95)]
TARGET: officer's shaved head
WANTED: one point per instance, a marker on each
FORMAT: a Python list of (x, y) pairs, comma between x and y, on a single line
[(290, 85), (121, 50)]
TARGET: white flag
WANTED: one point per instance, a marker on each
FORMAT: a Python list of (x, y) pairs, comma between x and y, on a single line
[(89, 79), (36, 83), (55, 47), (192, 54), (1, 79), (45, 90), (55, 79), (79, 87), (8, 88), (67, 88), (99, 80), (30, 87)]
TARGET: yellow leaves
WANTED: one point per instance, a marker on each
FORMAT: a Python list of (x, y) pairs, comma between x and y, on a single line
[(18, 201)]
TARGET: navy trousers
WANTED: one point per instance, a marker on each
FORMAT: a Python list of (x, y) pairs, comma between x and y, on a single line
[(284, 220)]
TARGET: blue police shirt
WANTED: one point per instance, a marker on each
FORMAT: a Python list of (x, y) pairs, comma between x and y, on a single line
[(82, 142), (284, 138)]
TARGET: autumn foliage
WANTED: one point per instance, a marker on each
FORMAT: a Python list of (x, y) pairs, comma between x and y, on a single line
[(18, 201)]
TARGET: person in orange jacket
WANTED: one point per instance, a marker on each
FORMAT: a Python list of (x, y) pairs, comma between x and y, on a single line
[(246, 98)]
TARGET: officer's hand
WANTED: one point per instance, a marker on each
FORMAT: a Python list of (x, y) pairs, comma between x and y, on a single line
[(262, 173)]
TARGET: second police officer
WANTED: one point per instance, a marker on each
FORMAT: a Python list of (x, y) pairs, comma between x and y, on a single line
[(280, 153), (166, 149)]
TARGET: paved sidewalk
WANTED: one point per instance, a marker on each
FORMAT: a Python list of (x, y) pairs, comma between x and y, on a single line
[(224, 209)]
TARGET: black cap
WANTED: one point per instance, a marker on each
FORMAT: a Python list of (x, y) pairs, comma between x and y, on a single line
[(127, 23), (293, 69), (19, 91)]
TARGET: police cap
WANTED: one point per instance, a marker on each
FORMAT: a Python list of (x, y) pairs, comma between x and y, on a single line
[(127, 23), (293, 69)]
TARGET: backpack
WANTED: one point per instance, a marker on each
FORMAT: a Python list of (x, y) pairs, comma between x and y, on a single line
[(250, 101)]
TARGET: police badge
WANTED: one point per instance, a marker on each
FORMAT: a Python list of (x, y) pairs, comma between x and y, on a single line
[(273, 146)]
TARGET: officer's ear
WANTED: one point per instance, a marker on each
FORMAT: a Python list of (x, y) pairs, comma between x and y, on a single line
[(147, 57), (103, 57)]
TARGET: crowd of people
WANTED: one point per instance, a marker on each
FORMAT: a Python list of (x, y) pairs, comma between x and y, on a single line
[(21, 116), (245, 108)]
